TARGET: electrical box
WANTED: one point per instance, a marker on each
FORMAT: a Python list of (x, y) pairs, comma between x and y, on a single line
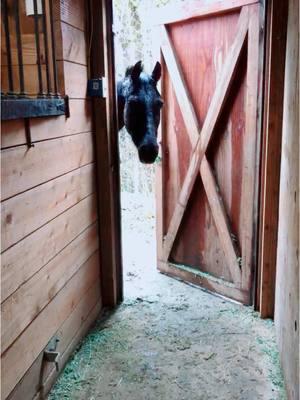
[(97, 87)]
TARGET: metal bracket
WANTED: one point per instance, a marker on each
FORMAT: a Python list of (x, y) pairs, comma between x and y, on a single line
[(28, 133), (97, 87), (50, 354)]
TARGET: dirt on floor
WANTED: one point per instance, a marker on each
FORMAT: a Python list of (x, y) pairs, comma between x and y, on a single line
[(170, 340)]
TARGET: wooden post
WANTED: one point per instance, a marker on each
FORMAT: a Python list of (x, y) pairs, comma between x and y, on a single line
[(106, 140), (271, 153)]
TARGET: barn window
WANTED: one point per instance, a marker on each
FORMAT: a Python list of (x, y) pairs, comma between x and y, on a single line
[(29, 73)]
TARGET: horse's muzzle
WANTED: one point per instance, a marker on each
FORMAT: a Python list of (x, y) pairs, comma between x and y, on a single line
[(148, 153)]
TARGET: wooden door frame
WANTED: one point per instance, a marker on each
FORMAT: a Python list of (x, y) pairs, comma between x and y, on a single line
[(274, 67), (108, 161), (101, 62)]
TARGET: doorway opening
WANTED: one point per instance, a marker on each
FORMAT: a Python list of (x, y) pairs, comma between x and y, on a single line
[(133, 41)]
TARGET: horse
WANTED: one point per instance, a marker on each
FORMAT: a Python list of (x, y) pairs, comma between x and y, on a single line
[(139, 105)]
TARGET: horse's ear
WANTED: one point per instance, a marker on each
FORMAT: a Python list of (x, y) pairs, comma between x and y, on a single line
[(156, 73), (136, 71)]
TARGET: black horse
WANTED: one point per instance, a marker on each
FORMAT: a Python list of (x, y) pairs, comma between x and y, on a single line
[(139, 104)]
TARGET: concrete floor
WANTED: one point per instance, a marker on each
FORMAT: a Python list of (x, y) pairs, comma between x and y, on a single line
[(169, 340)]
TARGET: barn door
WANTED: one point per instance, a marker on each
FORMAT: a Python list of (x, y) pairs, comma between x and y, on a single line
[(207, 179)]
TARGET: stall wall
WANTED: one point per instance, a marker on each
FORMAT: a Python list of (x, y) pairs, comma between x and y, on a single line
[(50, 261), (287, 279)]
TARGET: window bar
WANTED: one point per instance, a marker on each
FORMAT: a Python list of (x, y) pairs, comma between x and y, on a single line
[(19, 46), (46, 46), (38, 49), (8, 48), (53, 49)]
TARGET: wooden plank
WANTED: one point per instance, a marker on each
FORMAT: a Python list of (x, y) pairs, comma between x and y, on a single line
[(71, 46), (113, 130), (40, 331), (48, 383), (24, 213), (221, 221), (69, 334), (23, 260), (287, 275), (30, 81), (215, 108), (159, 182), (198, 278), (13, 132), (73, 12), (32, 297), (249, 156), (107, 156), (194, 9), (73, 79), (180, 88), (271, 153), (28, 49), (24, 168)]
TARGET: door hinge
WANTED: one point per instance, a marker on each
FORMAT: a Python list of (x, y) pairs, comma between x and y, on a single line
[(97, 87)]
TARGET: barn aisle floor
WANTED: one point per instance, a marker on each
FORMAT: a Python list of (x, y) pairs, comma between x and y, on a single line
[(169, 340)]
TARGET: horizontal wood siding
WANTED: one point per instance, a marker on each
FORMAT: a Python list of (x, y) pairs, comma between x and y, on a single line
[(24, 168), (50, 272), (23, 352), (13, 132), (81, 318)]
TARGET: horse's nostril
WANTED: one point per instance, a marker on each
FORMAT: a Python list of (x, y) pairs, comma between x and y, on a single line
[(148, 153)]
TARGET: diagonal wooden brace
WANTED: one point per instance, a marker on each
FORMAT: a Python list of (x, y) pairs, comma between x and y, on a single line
[(201, 140)]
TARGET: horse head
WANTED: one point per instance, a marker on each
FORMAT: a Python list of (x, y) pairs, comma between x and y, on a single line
[(139, 105)]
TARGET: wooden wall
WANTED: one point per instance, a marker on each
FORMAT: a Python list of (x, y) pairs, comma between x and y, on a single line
[(287, 279), (50, 262)]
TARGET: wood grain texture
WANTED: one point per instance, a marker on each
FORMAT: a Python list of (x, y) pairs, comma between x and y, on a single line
[(249, 157), (201, 279), (287, 275), (24, 168), (271, 153), (72, 45), (13, 132), (28, 48), (83, 331), (193, 130), (23, 352), (22, 261), (192, 9), (221, 220), (73, 78), (70, 332), (32, 297), (50, 262), (31, 85), (73, 12), (106, 145), (24, 213), (212, 116), (202, 219)]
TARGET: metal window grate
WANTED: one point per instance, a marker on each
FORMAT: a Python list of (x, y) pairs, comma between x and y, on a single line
[(29, 80)]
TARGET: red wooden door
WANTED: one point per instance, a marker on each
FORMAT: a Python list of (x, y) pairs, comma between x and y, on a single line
[(207, 180)]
